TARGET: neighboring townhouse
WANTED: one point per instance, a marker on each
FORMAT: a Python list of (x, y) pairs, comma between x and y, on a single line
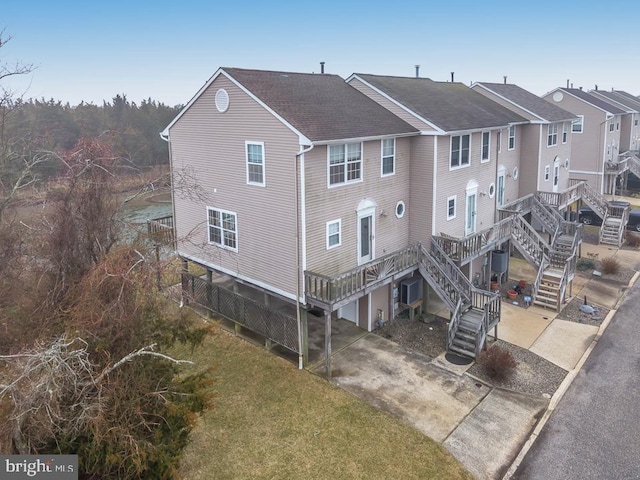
[(629, 159), (545, 154), (596, 136), (301, 173)]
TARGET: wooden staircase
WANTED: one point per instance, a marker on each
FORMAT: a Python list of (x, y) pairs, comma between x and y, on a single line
[(548, 294), (465, 337)]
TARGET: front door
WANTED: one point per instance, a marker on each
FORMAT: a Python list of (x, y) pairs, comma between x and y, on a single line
[(470, 222), (365, 239)]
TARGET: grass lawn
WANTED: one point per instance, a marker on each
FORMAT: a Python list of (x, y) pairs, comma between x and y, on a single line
[(271, 420)]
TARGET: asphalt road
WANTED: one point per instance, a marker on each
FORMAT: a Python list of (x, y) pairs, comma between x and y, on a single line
[(595, 431)]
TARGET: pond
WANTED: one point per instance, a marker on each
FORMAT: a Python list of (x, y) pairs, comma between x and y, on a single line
[(147, 207)]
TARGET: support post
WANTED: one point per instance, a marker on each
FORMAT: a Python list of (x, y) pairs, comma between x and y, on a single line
[(327, 344), (305, 337), (209, 294), (185, 284)]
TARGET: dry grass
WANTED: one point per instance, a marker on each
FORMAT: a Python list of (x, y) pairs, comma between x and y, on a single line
[(610, 265), (271, 420)]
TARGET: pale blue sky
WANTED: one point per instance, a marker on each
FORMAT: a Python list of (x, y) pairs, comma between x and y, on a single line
[(93, 50)]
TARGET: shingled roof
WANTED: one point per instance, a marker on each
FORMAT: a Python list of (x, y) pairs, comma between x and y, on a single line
[(623, 98), (523, 98), (322, 107), (450, 106), (593, 100)]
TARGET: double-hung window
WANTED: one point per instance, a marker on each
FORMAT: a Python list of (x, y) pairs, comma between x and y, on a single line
[(512, 137), (611, 126), (333, 234), (345, 163), (565, 132), (255, 163), (577, 125), (484, 152), (451, 207), (552, 134), (388, 156), (222, 228), (460, 145), (547, 171)]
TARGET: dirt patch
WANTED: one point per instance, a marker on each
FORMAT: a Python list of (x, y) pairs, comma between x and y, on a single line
[(426, 334)]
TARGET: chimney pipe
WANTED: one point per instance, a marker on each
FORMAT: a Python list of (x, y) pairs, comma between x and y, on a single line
[(580, 88), (417, 71), (596, 87), (567, 83), (504, 77), (452, 74), (571, 84), (321, 67)]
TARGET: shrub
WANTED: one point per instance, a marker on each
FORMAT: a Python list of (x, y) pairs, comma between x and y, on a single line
[(610, 265), (585, 264), (498, 362)]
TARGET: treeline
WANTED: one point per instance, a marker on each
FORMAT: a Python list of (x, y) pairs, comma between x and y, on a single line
[(50, 125)]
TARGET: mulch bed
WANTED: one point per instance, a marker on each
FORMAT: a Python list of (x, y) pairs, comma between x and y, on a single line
[(572, 313), (426, 334)]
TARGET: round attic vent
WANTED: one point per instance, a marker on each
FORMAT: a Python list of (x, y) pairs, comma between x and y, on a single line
[(557, 97), (222, 100)]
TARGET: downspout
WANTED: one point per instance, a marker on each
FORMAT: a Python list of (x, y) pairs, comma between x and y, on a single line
[(165, 136), (298, 180)]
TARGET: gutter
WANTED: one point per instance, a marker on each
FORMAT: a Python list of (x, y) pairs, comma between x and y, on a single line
[(299, 237)]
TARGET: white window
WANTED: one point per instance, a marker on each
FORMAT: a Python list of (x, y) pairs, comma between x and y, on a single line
[(222, 228), (333, 234), (617, 125), (255, 163), (547, 172), (556, 175), (565, 132), (460, 145), (388, 156), (345, 163), (578, 124), (499, 140), (486, 140), (552, 134), (512, 137), (635, 122), (451, 207), (611, 126)]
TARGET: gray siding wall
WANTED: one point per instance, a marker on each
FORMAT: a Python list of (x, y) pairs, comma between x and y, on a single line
[(389, 105), (548, 155), (626, 126), (325, 204), (210, 147), (529, 152), (450, 182), (634, 142), (422, 185), (509, 160)]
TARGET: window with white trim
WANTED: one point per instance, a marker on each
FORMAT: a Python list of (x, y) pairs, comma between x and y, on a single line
[(565, 132), (577, 125), (617, 125), (512, 137), (451, 207), (388, 156), (499, 140), (460, 145), (552, 134), (222, 228), (547, 172), (611, 126), (334, 238), (635, 122), (345, 163), (484, 151), (255, 163)]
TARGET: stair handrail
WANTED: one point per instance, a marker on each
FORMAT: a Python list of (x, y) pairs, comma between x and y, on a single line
[(454, 323), (481, 337), (530, 238), (538, 280), (547, 215), (460, 280), (597, 202), (459, 286), (563, 282)]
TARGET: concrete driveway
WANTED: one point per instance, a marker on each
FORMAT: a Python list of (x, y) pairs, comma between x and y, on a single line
[(481, 426)]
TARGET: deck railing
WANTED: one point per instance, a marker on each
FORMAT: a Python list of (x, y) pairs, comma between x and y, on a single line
[(160, 230)]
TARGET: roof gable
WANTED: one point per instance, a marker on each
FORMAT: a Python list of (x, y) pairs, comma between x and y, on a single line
[(528, 101), (450, 106), (593, 100)]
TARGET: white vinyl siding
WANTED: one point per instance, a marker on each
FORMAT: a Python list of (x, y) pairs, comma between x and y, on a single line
[(222, 227), (345, 164), (484, 150), (388, 164), (552, 134), (255, 163), (334, 233), (460, 148)]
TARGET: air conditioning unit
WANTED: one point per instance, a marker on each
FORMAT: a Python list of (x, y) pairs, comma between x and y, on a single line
[(410, 290)]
